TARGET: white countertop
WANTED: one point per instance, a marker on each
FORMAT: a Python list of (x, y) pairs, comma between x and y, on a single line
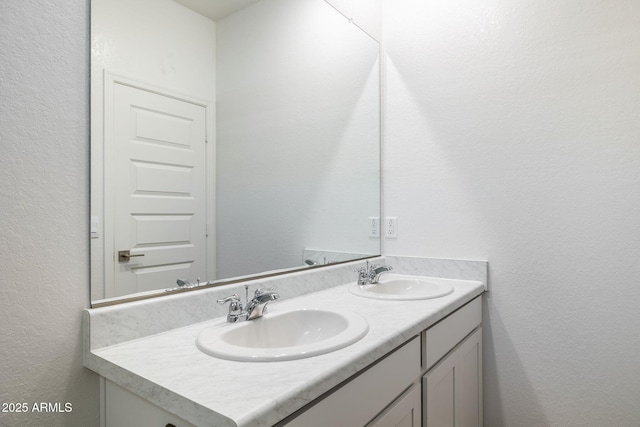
[(168, 370)]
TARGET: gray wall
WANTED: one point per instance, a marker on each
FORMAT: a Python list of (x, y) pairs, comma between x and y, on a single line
[(44, 189), (513, 135)]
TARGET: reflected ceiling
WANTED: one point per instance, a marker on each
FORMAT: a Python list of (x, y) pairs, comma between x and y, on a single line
[(216, 9)]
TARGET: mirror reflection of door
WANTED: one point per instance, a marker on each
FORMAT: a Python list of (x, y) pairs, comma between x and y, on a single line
[(158, 188), (291, 90)]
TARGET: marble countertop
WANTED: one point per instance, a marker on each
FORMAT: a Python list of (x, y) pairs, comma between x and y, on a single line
[(168, 370)]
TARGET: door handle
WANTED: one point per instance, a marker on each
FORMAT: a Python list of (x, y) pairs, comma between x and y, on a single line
[(125, 256)]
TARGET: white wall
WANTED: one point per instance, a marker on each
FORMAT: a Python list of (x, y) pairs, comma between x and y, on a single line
[(44, 193), (365, 14), (159, 42), (298, 136), (513, 135)]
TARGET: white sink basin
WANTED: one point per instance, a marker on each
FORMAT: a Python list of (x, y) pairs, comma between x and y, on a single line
[(399, 287), (294, 334)]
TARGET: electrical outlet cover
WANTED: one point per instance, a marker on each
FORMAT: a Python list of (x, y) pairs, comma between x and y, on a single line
[(391, 227)]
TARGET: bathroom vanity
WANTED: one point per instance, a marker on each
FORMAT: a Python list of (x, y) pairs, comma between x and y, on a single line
[(420, 363), (388, 393)]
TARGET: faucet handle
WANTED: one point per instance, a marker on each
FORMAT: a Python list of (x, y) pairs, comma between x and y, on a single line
[(362, 270), (235, 307), (363, 275), (233, 298)]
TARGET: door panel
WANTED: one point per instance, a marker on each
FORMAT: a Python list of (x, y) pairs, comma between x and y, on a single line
[(157, 180), (439, 394)]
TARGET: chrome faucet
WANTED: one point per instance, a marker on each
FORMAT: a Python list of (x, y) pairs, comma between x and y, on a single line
[(371, 274), (379, 270), (256, 308), (258, 305), (185, 283)]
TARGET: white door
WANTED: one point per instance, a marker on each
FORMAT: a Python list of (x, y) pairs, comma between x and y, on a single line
[(158, 188)]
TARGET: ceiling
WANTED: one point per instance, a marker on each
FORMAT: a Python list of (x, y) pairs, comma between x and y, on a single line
[(216, 9)]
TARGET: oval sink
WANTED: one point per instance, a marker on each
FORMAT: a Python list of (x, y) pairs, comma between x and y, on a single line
[(399, 287), (288, 335)]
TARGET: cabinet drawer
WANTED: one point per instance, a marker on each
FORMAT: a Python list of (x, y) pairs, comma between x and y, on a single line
[(358, 401), (446, 334)]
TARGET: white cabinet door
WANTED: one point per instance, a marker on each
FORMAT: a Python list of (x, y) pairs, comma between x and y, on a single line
[(404, 412), (452, 390), (469, 391), (124, 409)]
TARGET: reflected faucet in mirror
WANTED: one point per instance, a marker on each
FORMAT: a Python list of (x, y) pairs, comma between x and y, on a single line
[(188, 284)]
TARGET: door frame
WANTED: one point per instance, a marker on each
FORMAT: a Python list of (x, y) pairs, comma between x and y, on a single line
[(103, 160)]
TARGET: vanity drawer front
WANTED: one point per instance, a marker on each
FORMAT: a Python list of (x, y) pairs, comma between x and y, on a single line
[(446, 334), (359, 400)]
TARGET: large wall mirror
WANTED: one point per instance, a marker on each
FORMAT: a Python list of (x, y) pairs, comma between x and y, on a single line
[(230, 139)]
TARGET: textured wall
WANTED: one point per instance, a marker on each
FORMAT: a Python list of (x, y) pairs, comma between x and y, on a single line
[(513, 136), (44, 174)]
